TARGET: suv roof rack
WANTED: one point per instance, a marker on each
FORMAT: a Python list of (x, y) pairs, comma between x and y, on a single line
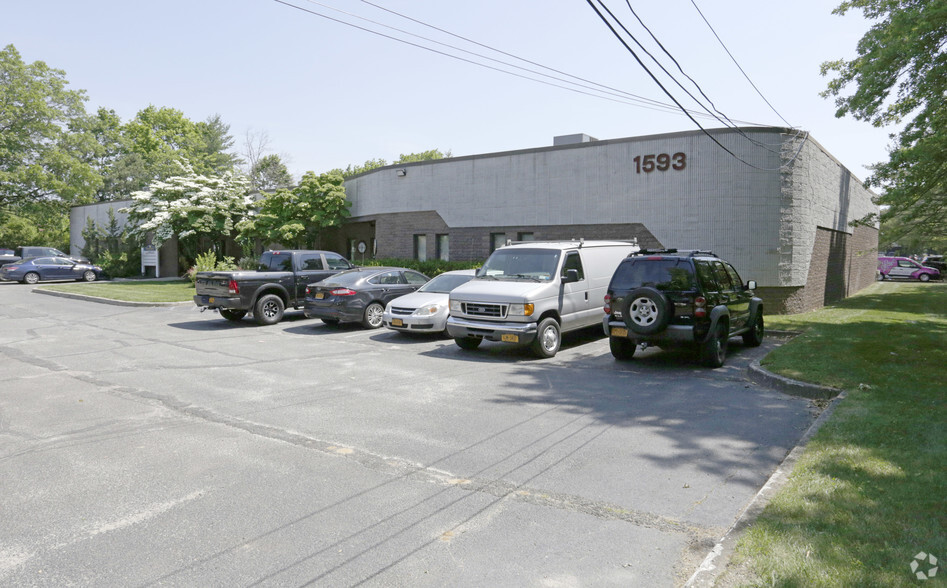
[(682, 253)]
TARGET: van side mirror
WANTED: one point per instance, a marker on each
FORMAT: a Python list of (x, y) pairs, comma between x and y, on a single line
[(572, 275), (751, 285)]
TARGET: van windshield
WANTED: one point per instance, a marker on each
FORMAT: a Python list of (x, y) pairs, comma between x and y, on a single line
[(539, 265)]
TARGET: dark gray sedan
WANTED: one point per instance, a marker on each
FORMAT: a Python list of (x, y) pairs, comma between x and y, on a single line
[(360, 295), (30, 271)]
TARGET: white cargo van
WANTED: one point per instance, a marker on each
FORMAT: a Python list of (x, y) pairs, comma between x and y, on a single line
[(531, 292)]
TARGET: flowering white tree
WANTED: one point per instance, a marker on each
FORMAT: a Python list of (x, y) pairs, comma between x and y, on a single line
[(197, 209)]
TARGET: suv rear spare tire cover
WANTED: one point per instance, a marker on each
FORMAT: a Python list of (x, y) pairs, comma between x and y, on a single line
[(646, 311)]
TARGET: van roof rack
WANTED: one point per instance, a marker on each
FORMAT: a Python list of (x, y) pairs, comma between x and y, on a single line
[(580, 241)]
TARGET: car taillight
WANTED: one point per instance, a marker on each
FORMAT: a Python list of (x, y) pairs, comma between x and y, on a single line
[(608, 304), (700, 307), (343, 292), (234, 288)]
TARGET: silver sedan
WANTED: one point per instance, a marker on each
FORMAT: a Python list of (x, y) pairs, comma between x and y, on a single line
[(426, 310)]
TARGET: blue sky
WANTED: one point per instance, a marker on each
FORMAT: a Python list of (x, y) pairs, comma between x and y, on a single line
[(328, 95)]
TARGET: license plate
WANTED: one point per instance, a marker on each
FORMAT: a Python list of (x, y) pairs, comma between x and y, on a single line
[(510, 338), (619, 332), (397, 323), (320, 295)]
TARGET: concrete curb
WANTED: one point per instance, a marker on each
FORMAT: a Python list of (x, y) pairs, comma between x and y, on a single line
[(789, 386), (107, 300), (715, 564)]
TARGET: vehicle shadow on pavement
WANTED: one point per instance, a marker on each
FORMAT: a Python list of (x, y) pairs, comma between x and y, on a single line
[(318, 328), (494, 350), (715, 422), (214, 322)]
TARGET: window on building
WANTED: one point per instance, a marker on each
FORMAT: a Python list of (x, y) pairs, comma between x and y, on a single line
[(525, 237), (443, 248), (353, 243), (420, 247), (497, 240)]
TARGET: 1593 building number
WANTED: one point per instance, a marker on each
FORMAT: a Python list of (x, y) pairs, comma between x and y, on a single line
[(661, 162)]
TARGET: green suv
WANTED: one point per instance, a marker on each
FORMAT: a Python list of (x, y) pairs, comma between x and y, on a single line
[(668, 298)]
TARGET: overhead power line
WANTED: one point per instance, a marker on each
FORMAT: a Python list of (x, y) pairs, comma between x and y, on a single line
[(601, 91), (726, 121), (664, 89), (738, 65)]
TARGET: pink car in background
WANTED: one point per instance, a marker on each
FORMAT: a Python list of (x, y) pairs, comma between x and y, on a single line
[(905, 269)]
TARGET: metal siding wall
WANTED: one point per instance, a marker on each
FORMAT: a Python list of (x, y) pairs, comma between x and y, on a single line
[(79, 215), (764, 220), (715, 203)]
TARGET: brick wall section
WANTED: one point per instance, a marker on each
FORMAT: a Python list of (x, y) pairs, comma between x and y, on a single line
[(395, 234), (777, 300), (840, 265), (863, 265)]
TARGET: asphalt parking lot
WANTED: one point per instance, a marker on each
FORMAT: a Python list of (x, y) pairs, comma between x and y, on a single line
[(145, 446)]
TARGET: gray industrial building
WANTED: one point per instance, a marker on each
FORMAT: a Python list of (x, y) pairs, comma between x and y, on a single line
[(781, 215)]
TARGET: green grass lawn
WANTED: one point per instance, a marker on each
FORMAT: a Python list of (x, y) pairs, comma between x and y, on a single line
[(132, 290), (869, 491)]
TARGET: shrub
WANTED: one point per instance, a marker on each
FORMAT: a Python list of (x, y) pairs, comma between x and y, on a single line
[(207, 262), (110, 248), (124, 264), (247, 263)]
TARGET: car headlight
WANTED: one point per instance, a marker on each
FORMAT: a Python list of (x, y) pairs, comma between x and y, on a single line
[(520, 310), (455, 306), (429, 310)]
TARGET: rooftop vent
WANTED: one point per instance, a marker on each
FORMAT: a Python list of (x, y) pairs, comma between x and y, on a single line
[(572, 139)]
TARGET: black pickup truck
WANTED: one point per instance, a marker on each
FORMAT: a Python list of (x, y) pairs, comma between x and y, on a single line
[(279, 282)]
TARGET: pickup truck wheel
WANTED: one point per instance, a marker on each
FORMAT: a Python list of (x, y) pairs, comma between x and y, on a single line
[(754, 337), (232, 314), (713, 351), (547, 339), (621, 347), (268, 310), (31, 278), (373, 315), (468, 343), (88, 276)]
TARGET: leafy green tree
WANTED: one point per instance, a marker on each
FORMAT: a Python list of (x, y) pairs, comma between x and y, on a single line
[(217, 141), (297, 217), (270, 173), (354, 170), (36, 223), (164, 139), (900, 76), (371, 164), (108, 151), (39, 159), (429, 155), (200, 210), (17, 230)]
